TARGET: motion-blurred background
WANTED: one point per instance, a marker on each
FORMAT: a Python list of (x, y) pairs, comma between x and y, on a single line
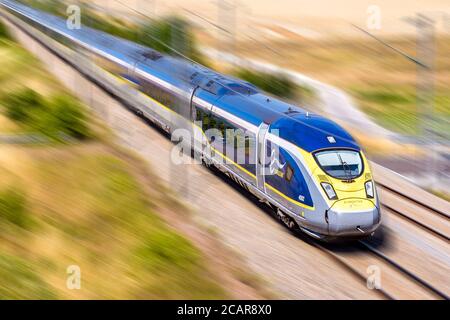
[(71, 196)]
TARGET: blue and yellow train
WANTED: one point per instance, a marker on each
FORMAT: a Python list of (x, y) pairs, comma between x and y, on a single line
[(306, 167)]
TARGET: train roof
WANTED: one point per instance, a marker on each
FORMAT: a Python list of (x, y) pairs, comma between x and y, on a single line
[(308, 131)]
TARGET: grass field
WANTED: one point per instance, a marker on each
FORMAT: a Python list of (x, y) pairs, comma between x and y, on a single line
[(32, 102), (82, 205), (399, 110), (84, 202)]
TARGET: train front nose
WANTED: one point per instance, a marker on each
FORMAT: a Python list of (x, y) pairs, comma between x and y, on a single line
[(353, 217)]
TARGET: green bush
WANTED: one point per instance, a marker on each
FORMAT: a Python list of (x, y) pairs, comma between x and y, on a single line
[(13, 207), (69, 117), (386, 96), (170, 33), (173, 268), (163, 249), (55, 7), (4, 32), (20, 106), (57, 117), (20, 281), (276, 84)]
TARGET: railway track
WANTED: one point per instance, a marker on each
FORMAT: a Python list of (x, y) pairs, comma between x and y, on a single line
[(434, 221), (415, 201), (397, 281), (429, 290), (357, 272)]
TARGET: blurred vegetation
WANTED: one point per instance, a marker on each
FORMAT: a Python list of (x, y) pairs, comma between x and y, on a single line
[(124, 249), (276, 84), (4, 34), (442, 194), (55, 7), (397, 108), (21, 281), (21, 106), (85, 205), (160, 34), (59, 117), (13, 208), (53, 112), (171, 32)]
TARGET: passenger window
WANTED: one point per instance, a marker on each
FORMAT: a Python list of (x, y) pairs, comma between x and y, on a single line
[(212, 122), (161, 95), (289, 173), (199, 115), (249, 145), (222, 129), (205, 121)]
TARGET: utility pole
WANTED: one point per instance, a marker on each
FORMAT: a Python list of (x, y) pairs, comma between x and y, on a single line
[(425, 89)]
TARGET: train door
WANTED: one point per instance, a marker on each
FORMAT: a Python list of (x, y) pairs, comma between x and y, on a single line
[(201, 117), (192, 109), (261, 155)]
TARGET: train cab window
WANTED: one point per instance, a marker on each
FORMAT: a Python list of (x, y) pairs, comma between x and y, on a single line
[(340, 164), (289, 173)]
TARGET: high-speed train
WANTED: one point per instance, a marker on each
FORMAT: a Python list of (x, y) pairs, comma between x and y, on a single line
[(306, 167)]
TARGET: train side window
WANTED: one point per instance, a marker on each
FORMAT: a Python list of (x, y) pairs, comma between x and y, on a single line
[(229, 139), (206, 121), (235, 137), (212, 121), (289, 173), (222, 129), (249, 144), (161, 95), (198, 115), (229, 133)]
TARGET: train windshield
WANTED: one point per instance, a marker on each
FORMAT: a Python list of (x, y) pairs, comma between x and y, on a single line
[(340, 164)]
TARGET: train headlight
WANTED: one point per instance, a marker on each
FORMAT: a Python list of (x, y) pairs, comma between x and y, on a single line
[(370, 192), (328, 188)]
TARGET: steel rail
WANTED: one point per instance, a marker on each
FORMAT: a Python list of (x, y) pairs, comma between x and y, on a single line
[(417, 222), (415, 201), (405, 271), (380, 291)]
